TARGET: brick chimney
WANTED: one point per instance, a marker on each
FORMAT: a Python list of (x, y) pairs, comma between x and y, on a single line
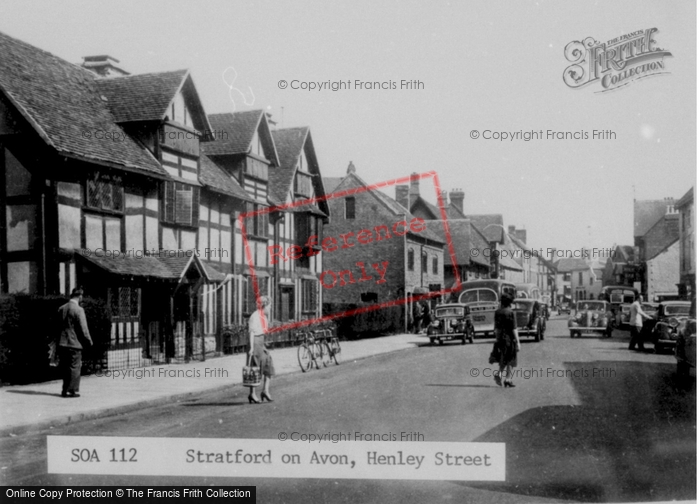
[(457, 199), (511, 230), (103, 65), (415, 185), (521, 235), (445, 201), (402, 195), (351, 168)]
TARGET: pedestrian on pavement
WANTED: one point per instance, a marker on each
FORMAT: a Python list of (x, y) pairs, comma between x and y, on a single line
[(427, 318), (73, 337), (636, 324), (417, 317), (506, 329), (258, 325)]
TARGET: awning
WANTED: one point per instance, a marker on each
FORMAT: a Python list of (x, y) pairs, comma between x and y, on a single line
[(166, 265)]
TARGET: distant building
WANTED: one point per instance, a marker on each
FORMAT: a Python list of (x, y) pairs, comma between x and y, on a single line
[(687, 279), (620, 267), (584, 278), (662, 273), (394, 259)]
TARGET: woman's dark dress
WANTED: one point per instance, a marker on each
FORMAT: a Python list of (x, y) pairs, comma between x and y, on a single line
[(505, 325)]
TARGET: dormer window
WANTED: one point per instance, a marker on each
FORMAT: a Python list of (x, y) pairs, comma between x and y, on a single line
[(178, 111), (256, 146), (302, 185)]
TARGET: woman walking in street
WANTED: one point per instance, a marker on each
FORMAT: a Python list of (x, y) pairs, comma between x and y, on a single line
[(257, 327), (506, 330)]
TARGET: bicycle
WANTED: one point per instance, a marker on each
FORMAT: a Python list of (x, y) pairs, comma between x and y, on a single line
[(309, 352), (333, 345), (317, 346)]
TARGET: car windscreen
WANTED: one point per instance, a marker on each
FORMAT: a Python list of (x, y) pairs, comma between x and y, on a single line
[(591, 305), (478, 295), (456, 311), (677, 310)]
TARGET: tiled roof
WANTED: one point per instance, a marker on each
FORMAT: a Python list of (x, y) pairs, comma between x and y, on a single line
[(289, 143), (235, 132), (686, 199), (63, 103), (166, 267), (453, 212), (147, 266), (465, 239), (490, 225), (330, 183), (143, 97), (415, 199), (623, 253), (216, 179), (647, 213)]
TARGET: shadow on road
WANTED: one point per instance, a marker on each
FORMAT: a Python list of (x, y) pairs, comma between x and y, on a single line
[(34, 392), (632, 438)]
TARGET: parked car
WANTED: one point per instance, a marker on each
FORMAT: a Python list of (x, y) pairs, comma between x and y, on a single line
[(650, 308), (530, 320), (451, 321), (670, 316), (686, 349), (591, 317)]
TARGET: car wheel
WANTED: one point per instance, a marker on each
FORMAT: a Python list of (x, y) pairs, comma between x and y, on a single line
[(658, 348), (538, 333), (441, 341), (682, 369), (464, 339), (432, 341), (572, 333)]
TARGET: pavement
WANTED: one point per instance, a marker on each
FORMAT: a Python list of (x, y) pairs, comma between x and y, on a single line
[(26, 408)]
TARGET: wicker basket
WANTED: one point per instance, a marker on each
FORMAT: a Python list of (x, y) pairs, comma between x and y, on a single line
[(252, 377)]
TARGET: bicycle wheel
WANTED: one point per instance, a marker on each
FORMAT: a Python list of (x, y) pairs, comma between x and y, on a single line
[(316, 354), (335, 350), (305, 357), (325, 354)]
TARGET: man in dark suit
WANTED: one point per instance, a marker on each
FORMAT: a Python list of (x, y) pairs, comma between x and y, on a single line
[(74, 334)]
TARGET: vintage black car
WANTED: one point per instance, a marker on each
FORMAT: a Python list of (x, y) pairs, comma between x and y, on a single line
[(451, 322), (670, 315), (686, 348), (529, 317), (591, 317)]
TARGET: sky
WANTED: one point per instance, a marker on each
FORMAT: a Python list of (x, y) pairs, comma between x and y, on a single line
[(484, 65)]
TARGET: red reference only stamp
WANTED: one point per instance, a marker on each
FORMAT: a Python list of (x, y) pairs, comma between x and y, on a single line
[(370, 249)]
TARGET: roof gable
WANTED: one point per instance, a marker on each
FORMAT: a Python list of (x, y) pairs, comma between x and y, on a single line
[(490, 225), (235, 132), (291, 143), (647, 213), (148, 97), (62, 103)]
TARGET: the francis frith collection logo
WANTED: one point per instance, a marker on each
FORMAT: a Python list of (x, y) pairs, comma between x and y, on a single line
[(615, 63)]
